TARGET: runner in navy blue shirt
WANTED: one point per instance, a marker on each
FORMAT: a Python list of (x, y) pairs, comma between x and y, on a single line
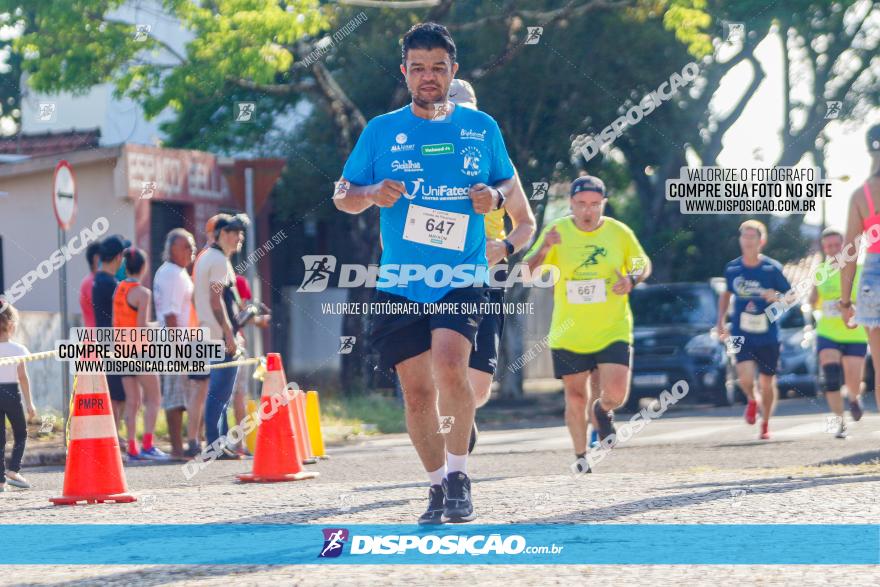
[(433, 170), (102, 301), (754, 281)]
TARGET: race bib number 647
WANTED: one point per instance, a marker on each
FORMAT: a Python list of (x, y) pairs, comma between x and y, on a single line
[(437, 228)]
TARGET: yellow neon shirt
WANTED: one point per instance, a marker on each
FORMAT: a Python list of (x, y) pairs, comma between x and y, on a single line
[(582, 257), (494, 221), (829, 323)]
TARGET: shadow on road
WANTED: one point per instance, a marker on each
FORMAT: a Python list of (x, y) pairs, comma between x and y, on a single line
[(861, 458), (314, 515), (417, 484), (777, 480), (157, 575), (748, 443), (733, 491)]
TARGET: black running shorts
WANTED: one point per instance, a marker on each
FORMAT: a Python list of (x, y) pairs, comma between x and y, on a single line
[(569, 363), (398, 336)]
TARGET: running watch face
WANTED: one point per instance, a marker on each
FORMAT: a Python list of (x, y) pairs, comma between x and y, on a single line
[(434, 224)]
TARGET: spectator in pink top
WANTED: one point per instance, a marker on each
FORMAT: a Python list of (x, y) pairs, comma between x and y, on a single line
[(85, 288)]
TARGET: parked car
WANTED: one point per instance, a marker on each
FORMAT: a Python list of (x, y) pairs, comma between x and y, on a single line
[(671, 341)]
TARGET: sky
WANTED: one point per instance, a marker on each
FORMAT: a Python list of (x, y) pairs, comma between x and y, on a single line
[(757, 133)]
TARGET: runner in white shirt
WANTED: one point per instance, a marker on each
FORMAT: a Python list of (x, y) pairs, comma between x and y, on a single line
[(172, 290)]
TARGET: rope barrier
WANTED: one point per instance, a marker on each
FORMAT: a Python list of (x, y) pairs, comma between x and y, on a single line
[(48, 354), (27, 358), (252, 361)]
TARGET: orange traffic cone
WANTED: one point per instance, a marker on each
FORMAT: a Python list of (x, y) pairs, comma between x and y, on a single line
[(93, 472), (276, 457)]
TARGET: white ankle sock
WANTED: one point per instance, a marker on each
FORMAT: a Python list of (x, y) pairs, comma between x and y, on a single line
[(456, 462), (437, 476)]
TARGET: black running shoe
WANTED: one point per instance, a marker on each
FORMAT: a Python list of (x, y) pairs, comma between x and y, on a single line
[(474, 435), (227, 455), (581, 466), (436, 501), (192, 450), (855, 409), (604, 421), (459, 507)]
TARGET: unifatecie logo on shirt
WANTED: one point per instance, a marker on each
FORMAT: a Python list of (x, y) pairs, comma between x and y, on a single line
[(444, 192), (416, 184)]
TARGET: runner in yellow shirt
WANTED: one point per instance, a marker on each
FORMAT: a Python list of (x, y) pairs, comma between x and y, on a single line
[(600, 261), (499, 247), (841, 350)]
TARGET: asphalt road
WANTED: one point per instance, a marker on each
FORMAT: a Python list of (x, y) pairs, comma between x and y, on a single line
[(681, 439), (692, 465)]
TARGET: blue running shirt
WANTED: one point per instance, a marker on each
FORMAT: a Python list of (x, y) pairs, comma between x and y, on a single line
[(437, 161), (746, 284)]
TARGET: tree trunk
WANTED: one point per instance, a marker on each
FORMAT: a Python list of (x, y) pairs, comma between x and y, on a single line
[(512, 347), (356, 368)]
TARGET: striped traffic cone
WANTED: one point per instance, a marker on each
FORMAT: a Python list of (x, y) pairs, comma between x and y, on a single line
[(250, 440), (276, 456), (93, 472), (301, 431), (303, 423)]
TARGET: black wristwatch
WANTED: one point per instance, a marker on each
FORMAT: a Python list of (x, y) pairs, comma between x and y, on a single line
[(509, 246), (633, 280), (501, 198)]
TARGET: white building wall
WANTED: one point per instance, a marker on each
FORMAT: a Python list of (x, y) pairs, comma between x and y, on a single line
[(120, 120), (29, 229)]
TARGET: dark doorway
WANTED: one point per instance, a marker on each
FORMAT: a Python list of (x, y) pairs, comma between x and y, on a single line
[(165, 217)]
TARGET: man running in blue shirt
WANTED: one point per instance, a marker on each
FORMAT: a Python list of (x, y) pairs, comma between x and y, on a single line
[(756, 281), (434, 170)]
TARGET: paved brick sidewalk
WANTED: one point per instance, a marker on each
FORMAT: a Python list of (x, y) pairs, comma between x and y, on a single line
[(812, 495), (809, 495), (483, 575)]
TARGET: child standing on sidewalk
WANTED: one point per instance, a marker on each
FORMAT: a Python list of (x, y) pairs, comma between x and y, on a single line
[(13, 383)]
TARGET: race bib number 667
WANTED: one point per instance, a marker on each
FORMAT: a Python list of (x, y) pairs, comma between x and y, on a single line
[(437, 228), (589, 291)]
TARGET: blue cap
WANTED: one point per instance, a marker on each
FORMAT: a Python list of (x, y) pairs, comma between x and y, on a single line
[(587, 183), (113, 245)]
